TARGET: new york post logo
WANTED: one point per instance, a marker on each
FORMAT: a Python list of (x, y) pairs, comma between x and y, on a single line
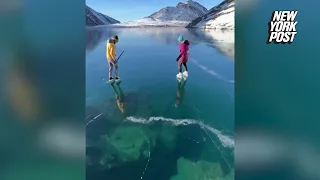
[(282, 27)]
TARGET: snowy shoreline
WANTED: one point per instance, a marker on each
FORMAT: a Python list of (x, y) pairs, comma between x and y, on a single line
[(161, 26)]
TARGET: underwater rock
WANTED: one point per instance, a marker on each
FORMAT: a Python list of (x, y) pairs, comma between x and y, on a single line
[(93, 155), (201, 170), (230, 176), (168, 136), (127, 143), (130, 142), (124, 142)]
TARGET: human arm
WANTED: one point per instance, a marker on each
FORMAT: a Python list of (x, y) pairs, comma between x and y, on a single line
[(178, 57), (113, 51), (181, 53)]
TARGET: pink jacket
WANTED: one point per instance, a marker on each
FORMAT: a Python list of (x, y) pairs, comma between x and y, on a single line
[(184, 47)]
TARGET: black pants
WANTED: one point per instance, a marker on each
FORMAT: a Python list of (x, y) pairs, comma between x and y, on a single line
[(180, 66)]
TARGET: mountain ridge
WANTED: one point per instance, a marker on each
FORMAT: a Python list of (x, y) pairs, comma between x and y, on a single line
[(218, 17), (94, 18), (181, 12), (178, 16)]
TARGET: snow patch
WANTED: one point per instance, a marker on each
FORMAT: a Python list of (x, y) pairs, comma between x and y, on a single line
[(219, 17), (151, 22), (222, 20)]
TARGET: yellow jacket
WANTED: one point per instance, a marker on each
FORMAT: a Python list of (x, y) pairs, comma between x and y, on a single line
[(111, 50)]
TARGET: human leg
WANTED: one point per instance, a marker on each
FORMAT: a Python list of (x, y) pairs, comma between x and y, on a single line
[(179, 67), (116, 71), (185, 66), (185, 73), (110, 69), (179, 75)]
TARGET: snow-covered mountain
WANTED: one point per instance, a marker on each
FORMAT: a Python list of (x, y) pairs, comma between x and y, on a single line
[(94, 18), (219, 17), (182, 12), (180, 15)]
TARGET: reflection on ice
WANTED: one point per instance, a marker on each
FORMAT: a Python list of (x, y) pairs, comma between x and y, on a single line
[(221, 40)]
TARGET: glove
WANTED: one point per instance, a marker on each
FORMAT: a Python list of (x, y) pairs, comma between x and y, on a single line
[(113, 61), (178, 57)]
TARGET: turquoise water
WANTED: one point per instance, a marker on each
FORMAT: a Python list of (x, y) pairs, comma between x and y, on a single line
[(150, 125)]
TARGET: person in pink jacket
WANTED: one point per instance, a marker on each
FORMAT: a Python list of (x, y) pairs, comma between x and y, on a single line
[(183, 57)]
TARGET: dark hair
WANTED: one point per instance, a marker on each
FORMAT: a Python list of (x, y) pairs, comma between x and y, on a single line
[(115, 37)]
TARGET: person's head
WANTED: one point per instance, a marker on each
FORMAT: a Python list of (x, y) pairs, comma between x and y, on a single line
[(115, 39), (180, 39)]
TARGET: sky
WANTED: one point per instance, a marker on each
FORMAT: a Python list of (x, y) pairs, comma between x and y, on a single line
[(128, 10)]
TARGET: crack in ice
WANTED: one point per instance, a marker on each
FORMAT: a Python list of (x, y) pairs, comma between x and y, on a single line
[(224, 139), (93, 119), (145, 169), (217, 147), (190, 138)]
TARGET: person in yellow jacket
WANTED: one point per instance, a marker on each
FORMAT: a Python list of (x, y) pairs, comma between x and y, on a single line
[(111, 56)]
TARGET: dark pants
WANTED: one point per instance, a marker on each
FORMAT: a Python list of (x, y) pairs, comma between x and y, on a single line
[(180, 66)]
